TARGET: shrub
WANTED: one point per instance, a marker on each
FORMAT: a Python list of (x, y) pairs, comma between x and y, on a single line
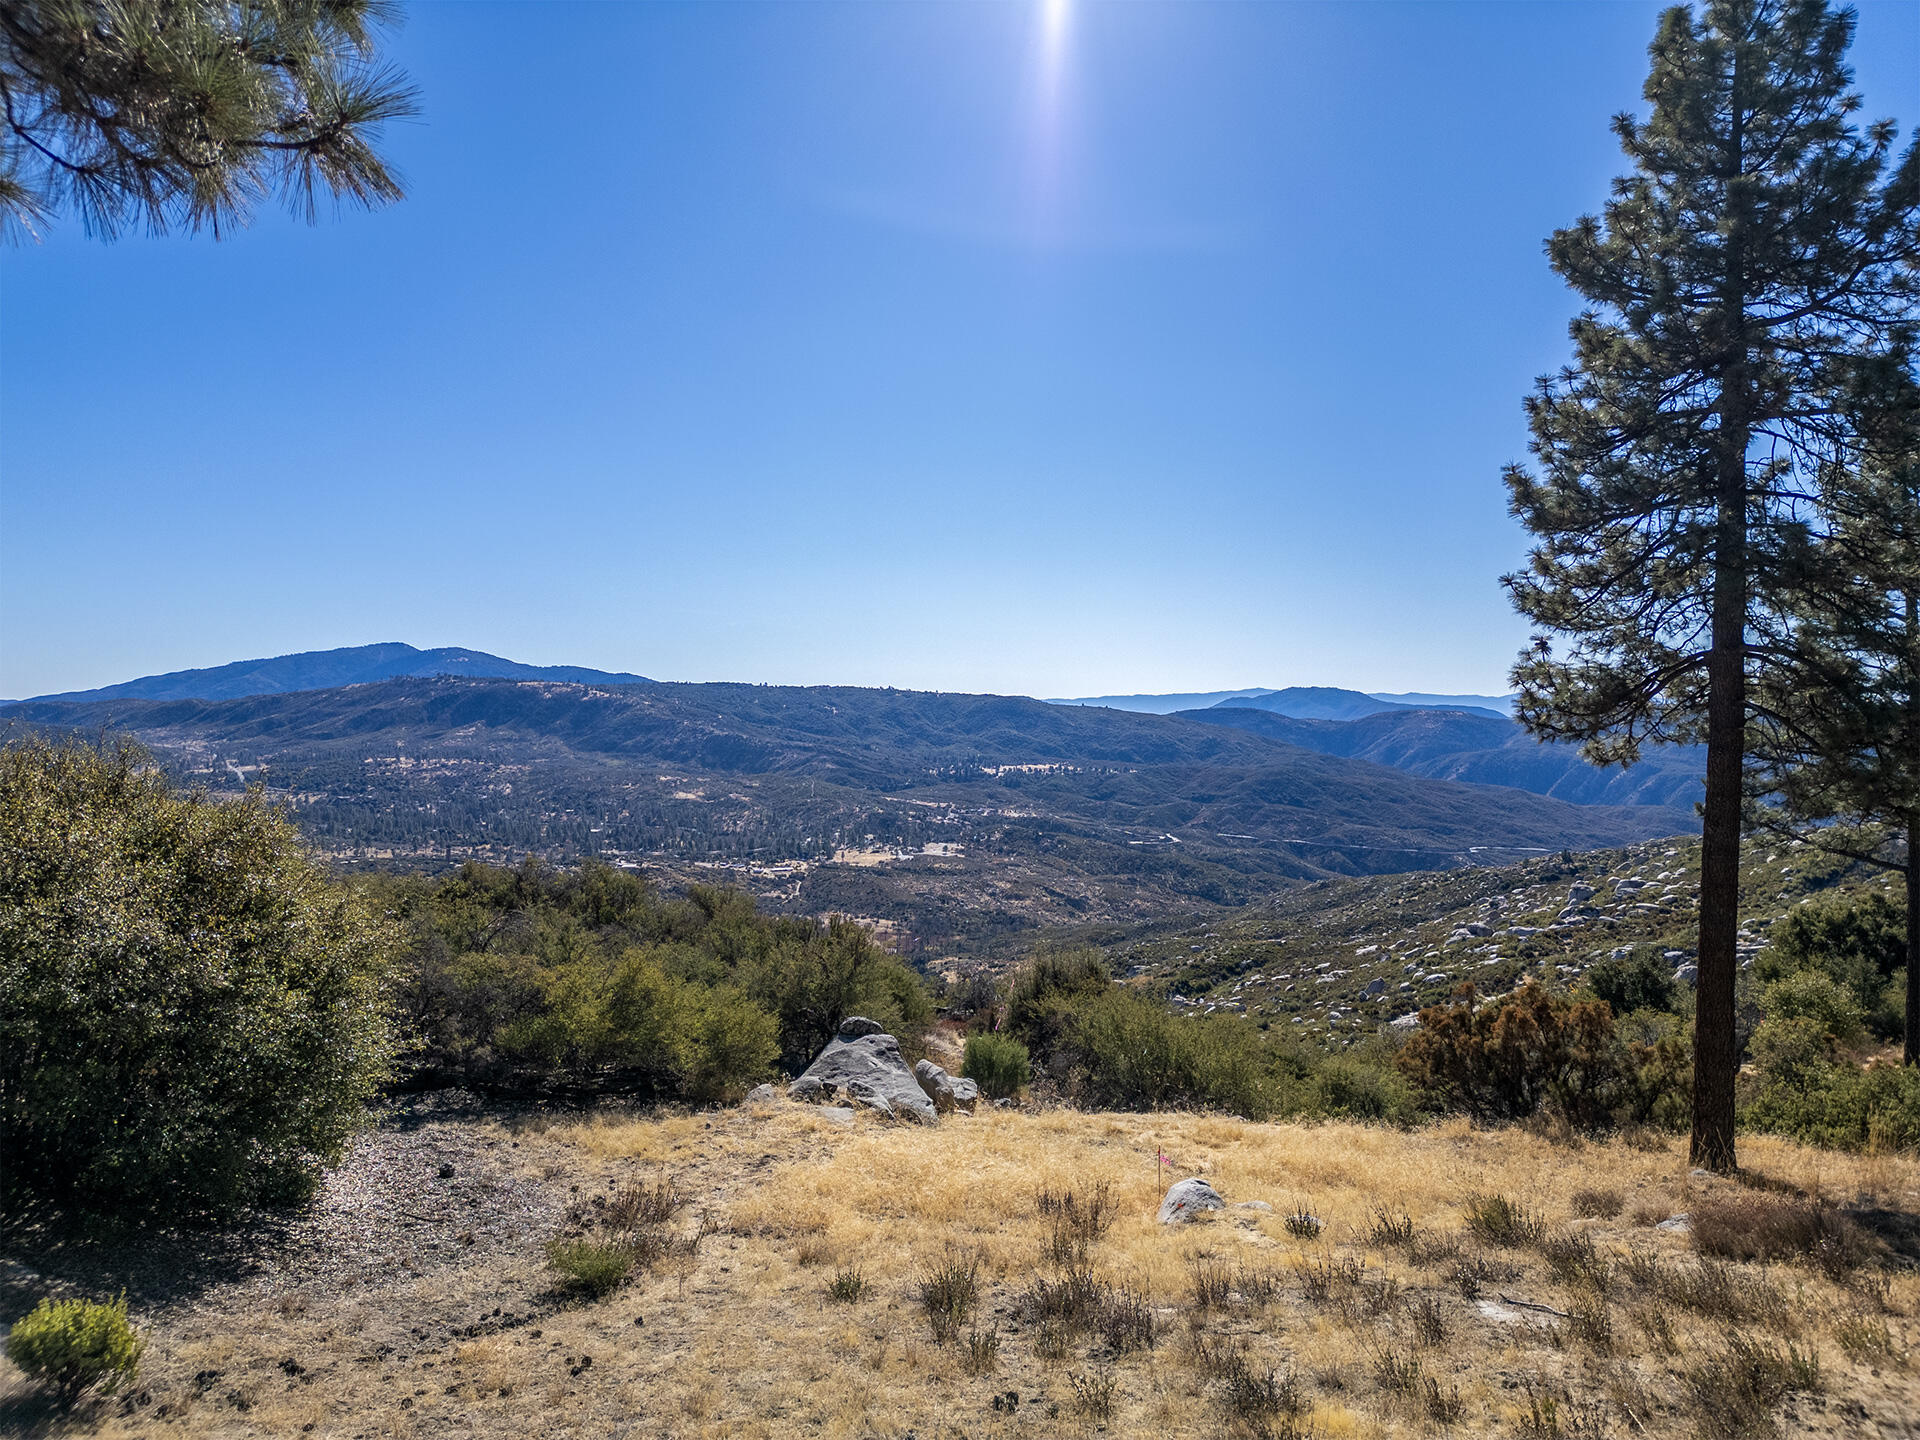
[(1857, 940), (1737, 1391), (590, 975), (1390, 1229), (1505, 1060), (1809, 995), (1641, 981), (1596, 1204), (983, 1351), (1345, 1088), (591, 1268), (947, 1294), (1500, 1221), (848, 1285), (1093, 1393), (998, 1064), (1045, 993), (1775, 1227), (75, 1345), (1124, 1051), (192, 1015), (1804, 1087), (1302, 1224)]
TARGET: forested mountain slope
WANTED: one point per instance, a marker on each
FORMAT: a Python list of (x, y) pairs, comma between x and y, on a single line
[(328, 669), (1481, 748), (956, 817)]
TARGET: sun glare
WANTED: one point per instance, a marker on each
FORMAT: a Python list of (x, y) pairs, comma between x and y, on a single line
[(1056, 17)]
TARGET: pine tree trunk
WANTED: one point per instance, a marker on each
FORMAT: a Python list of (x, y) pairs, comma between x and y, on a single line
[(1911, 1054), (1714, 1061)]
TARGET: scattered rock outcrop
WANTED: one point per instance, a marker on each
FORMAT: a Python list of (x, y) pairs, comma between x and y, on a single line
[(948, 1092), (863, 1063), (1187, 1199)]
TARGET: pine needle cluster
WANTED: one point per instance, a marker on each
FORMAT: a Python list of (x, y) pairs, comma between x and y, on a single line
[(188, 113)]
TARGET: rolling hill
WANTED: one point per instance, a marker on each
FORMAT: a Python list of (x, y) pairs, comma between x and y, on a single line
[(958, 818), (1479, 748), (328, 669), (1323, 702)]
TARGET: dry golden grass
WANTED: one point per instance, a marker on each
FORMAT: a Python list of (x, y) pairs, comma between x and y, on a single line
[(741, 1338)]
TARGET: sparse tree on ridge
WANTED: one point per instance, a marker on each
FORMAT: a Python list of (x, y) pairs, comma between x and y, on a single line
[(189, 112), (1759, 248), (1837, 735)]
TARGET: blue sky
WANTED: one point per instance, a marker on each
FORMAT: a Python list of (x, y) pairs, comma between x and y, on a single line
[(1060, 349)]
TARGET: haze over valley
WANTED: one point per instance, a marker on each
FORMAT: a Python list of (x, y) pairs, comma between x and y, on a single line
[(954, 821)]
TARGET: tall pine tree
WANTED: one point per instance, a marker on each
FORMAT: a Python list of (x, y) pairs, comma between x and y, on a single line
[(1758, 245), (1837, 733)]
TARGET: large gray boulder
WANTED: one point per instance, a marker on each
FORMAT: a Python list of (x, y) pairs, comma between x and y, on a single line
[(948, 1092), (1187, 1199), (864, 1064)]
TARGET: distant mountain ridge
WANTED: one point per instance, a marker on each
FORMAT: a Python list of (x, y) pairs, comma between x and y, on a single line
[(1304, 702), (1162, 704), (1481, 748), (331, 669)]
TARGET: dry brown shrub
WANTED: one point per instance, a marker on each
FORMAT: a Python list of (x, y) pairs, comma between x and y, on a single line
[(1758, 1226), (1596, 1204)]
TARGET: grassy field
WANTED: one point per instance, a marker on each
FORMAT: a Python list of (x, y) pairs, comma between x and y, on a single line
[(807, 1273)]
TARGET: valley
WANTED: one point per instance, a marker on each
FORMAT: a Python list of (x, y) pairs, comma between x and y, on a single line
[(976, 819)]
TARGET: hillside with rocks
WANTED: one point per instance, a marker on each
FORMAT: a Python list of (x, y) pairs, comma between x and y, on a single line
[(1340, 958)]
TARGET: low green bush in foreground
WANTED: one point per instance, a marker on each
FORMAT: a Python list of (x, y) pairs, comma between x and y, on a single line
[(593, 1268), (75, 1345)]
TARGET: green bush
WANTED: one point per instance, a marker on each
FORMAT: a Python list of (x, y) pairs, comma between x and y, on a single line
[(1350, 1089), (1125, 1051), (1841, 1105), (1814, 997), (1804, 1084), (1045, 994), (1858, 940), (192, 1014), (520, 976), (1117, 1047), (592, 1268), (1641, 981), (75, 1345), (998, 1064)]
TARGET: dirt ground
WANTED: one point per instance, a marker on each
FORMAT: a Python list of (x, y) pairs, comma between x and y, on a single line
[(414, 1299)]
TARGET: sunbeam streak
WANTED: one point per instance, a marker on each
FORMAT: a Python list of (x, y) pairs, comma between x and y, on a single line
[(1056, 21)]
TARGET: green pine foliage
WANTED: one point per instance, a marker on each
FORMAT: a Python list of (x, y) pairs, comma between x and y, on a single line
[(590, 977), (192, 1014), (1754, 261), (188, 112), (1843, 742), (73, 1346)]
